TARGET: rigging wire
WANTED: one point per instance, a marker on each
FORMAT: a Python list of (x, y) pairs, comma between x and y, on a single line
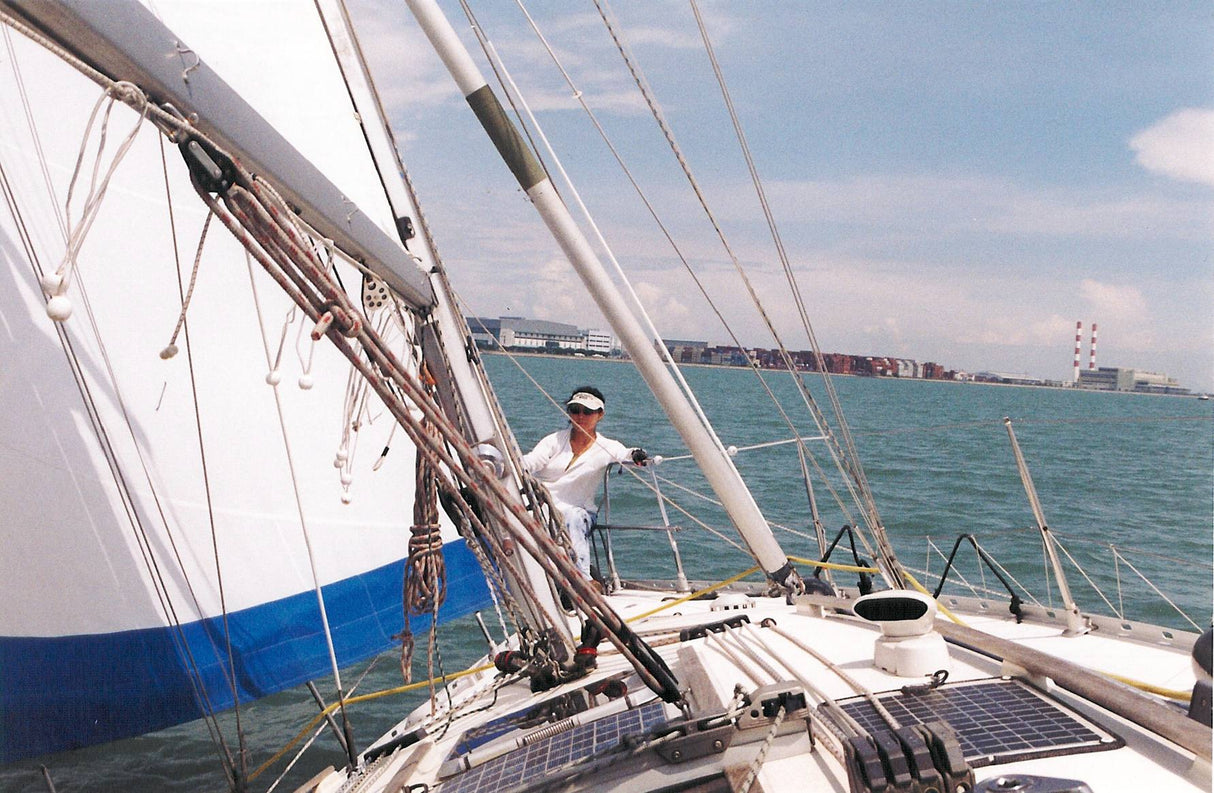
[(196, 680), (847, 456), (840, 458)]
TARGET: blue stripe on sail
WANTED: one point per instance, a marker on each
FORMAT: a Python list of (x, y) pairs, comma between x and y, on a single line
[(72, 691)]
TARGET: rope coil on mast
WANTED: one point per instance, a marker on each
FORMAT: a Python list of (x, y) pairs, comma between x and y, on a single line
[(425, 580)]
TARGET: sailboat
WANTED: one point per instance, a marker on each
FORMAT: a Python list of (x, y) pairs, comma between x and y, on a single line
[(243, 413)]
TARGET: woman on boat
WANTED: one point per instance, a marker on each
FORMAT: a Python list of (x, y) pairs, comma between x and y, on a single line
[(570, 463)]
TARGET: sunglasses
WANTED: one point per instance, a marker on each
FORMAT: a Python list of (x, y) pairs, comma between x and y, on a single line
[(578, 410)]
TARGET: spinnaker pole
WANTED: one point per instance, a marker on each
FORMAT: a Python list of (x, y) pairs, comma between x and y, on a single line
[(1075, 622), (718, 469)]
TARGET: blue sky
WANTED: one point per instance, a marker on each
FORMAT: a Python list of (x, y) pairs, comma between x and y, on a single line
[(957, 182)]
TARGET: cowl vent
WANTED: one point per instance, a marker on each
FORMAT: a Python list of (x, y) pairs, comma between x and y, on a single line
[(907, 647)]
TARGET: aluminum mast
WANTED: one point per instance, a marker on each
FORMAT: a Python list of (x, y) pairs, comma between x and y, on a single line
[(717, 468)]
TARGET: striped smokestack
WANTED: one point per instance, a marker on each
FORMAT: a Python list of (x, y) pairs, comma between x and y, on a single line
[(1092, 355), (1078, 342)]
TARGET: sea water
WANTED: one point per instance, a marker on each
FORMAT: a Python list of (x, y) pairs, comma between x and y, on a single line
[(1122, 480)]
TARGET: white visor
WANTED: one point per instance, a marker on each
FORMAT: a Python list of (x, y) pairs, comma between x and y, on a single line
[(585, 400)]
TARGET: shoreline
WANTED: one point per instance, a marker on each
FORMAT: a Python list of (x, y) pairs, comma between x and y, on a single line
[(1070, 389)]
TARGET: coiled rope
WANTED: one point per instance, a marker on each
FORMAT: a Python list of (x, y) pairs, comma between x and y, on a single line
[(425, 582)]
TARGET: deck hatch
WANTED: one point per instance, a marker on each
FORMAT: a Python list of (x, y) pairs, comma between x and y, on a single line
[(996, 721), (557, 751)]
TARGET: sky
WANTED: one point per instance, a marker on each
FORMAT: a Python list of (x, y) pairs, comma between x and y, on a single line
[(952, 182)]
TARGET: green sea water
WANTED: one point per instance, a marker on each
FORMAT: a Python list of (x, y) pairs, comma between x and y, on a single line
[(1131, 471)]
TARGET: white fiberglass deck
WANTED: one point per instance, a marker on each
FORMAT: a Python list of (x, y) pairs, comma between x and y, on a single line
[(621, 744)]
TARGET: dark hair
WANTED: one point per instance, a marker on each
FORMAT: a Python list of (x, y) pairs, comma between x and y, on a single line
[(588, 389)]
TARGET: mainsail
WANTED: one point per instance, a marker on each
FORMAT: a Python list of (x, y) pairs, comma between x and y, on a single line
[(166, 522)]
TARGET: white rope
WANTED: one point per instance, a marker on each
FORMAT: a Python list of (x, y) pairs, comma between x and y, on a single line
[(303, 522), (129, 94), (171, 348), (757, 763), (715, 642), (855, 685)]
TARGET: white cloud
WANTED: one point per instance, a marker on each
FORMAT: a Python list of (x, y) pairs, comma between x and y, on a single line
[(1122, 302), (898, 204), (1180, 146)]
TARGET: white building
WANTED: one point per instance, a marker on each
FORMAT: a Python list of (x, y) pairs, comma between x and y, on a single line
[(1115, 378), (537, 334), (598, 341)]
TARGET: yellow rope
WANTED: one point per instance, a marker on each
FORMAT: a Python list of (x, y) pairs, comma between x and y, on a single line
[(1151, 688), (361, 698), (939, 605), (847, 568), (693, 595)]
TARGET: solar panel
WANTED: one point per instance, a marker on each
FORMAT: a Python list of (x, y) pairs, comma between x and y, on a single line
[(996, 721), (557, 751), (548, 712)]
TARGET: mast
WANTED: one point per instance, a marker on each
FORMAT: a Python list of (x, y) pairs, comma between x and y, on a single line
[(717, 468), (461, 389)]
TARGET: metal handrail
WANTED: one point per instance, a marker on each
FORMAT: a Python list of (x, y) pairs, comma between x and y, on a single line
[(866, 580), (681, 582), (1013, 607)]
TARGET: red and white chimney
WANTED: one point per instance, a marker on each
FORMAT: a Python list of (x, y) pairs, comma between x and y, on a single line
[(1092, 356), (1078, 342)]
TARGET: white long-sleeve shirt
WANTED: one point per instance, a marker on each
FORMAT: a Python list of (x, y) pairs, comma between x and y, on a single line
[(573, 481)]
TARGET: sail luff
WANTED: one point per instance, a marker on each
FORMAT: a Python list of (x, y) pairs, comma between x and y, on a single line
[(722, 476)]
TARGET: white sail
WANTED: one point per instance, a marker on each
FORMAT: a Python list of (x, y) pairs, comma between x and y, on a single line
[(145, 499)]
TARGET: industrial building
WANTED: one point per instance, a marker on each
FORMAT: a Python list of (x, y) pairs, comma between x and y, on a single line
[(1116, 378)]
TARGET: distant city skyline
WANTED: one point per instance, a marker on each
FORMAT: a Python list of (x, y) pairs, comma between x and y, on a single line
[(952, 182), (547, 335)]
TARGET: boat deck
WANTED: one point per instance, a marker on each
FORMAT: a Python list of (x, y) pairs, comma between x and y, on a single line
[(806, 660)]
